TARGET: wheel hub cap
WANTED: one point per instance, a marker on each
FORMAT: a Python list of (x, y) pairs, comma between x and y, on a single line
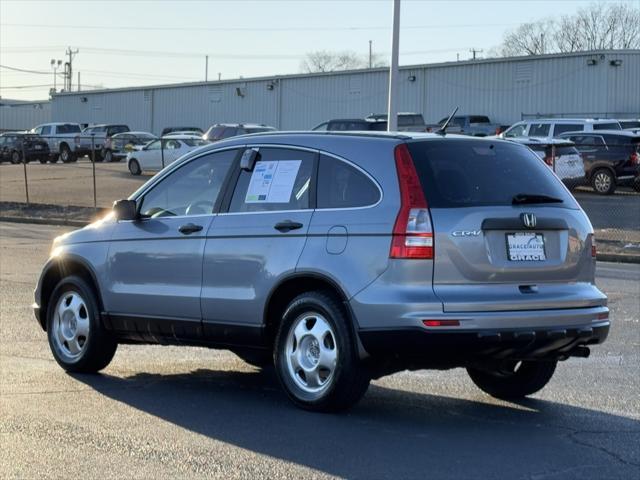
[(71, 325), (311, 353)]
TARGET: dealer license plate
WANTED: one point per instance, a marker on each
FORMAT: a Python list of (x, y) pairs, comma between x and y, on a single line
[(525, 247)]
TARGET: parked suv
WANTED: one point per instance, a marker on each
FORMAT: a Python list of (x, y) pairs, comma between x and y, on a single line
[(611, 158), (221, 131), (352, 125), (119, 145), (16, 147), (561, 155), (554, 127), (339, 257), (98, 137)]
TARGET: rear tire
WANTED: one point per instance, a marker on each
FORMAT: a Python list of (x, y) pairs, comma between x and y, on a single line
[(134, 167), (603, 181), (16, 157), (316, 357), (108, 156), (515, 380), (76, 337), (65, 155)]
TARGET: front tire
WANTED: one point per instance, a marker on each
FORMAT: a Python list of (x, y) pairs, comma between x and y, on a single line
[(513, 379), (108, 156), (76, 337), (603, 182), (134, 167), (15, 157), (315, 355)]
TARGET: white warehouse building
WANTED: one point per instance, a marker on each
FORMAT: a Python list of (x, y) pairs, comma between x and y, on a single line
[(586, 84)]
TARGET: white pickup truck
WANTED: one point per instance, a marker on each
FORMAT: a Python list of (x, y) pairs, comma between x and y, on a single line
[(63, 140)]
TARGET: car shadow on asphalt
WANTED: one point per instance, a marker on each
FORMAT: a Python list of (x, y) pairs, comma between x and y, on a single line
[(390, 433)]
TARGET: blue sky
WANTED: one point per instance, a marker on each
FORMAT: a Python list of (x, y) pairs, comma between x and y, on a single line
[(144, 42)]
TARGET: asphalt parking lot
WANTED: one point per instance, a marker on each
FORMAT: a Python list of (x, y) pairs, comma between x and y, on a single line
[(168, 412)]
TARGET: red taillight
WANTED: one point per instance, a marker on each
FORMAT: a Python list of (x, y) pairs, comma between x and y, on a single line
[(603, 316), (634, 158), (441, 323), (412, 232), (498, 130), (548, 160)]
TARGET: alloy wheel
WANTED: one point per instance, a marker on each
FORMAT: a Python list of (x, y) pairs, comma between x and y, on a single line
[(71, 325), (311, 353)]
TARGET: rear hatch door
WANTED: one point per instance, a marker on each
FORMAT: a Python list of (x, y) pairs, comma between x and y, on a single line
[(508, 234)]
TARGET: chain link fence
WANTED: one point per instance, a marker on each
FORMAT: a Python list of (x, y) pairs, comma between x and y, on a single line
[(80, 177)]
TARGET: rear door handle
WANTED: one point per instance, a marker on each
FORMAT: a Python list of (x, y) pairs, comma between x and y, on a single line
[(287, 226), (189, 228)]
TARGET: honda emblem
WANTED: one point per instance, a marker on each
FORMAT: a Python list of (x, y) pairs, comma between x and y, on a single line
[(528, 219)]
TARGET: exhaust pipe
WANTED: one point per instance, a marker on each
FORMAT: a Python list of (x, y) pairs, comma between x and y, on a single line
[(580, 351)]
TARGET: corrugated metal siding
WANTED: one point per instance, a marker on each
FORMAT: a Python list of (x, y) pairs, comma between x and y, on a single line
[(23, 116), (506, 91)]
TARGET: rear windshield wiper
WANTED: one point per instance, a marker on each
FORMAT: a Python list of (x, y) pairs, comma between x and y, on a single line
[(523, 198)]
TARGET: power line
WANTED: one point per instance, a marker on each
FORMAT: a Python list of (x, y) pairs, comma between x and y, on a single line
[(252, 29), (24, 70)]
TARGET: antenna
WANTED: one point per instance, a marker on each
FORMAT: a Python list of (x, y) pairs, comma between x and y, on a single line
[(443, 129)]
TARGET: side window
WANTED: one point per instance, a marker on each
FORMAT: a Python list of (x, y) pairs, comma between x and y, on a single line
[(322, 127), (45, 130), (560, 128), (516, 131), (539, 129), (228, 132), (154, 145), (342, 186), (280, 180), (191, 190), (172, 145)]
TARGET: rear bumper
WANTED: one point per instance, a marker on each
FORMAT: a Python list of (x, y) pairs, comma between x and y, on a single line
[(457, 348), (532, 333)]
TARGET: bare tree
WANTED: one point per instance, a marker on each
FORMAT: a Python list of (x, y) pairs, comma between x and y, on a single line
[(599, 26), (325, 61)]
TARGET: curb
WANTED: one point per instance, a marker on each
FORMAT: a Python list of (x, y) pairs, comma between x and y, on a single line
[(45, 221), (602, 257), (617, 257)]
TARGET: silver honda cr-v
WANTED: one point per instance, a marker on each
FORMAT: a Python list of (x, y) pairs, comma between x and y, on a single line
[(339, 258)]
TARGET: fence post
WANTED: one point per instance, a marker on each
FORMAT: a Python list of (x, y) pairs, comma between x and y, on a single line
[(93, 165), (162, 150), (24, 166)]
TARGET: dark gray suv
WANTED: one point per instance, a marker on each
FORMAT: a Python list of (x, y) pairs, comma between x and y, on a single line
[(339, 258)]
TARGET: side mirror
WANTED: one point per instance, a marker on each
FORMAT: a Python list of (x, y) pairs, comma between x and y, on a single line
[(248, 159), (125, 210)]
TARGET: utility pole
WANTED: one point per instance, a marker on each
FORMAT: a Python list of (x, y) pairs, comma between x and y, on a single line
[(68, 69), (219, 76), (370, 54), (392, 107), (474, 52), (79, 88), (206, 68)]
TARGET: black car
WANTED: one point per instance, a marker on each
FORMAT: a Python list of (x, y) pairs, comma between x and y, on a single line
[(611, 158), (220, 131), (352, 124), (168, 130), (118, 146), (16, 145)]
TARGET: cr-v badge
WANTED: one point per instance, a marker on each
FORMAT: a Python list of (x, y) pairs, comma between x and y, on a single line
[(466, 233)]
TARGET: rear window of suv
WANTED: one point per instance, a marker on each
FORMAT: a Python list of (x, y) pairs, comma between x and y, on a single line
[(471, 173), (68, 128), (607, 126)]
